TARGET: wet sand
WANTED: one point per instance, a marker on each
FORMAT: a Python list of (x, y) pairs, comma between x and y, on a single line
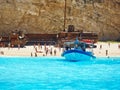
[(104, 49)]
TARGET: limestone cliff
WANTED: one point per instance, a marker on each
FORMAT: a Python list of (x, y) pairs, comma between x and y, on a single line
[(47, 16)]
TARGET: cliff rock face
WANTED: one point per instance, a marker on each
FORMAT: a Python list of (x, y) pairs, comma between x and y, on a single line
[(47, 16)]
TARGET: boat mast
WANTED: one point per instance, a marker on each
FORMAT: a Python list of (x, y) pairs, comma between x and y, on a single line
[(65, 15)]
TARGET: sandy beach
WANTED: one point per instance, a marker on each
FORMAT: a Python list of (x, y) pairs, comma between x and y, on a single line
[(112, 49), (104, 49)]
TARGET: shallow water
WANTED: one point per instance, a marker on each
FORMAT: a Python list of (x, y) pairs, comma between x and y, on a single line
[(55, 73)]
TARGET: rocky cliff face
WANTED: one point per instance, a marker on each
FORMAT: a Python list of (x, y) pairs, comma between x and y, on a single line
[(47, 16)]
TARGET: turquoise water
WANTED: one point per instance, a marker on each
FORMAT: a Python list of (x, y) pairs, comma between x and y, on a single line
[(54, 73)]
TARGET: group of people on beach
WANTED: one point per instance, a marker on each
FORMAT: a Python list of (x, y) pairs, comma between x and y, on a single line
[(51, 50), (45, 50), (107, 50)]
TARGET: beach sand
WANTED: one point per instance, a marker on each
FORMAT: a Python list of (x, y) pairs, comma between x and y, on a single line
[(107, 49), (104, 49)]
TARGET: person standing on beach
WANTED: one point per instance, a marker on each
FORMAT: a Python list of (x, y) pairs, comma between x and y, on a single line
[(54, 52), (109, 44), (51, 51), (35, 54), (45, 47), (8, 46), (31, 54), (100, 46), (119, 46), (46, 51), (18, 46), (38, 45), (106, 52)]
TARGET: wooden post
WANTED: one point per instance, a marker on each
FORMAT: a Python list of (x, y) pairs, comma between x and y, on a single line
[(65, 15)]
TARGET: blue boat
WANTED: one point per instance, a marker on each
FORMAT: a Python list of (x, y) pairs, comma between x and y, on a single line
[(76, 51)]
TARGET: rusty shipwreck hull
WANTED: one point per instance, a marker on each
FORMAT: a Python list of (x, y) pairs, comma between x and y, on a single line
[(59, 38), (12, 40), (41, 38)]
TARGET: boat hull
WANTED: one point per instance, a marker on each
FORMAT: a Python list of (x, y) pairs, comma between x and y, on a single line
[(77, 55)]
